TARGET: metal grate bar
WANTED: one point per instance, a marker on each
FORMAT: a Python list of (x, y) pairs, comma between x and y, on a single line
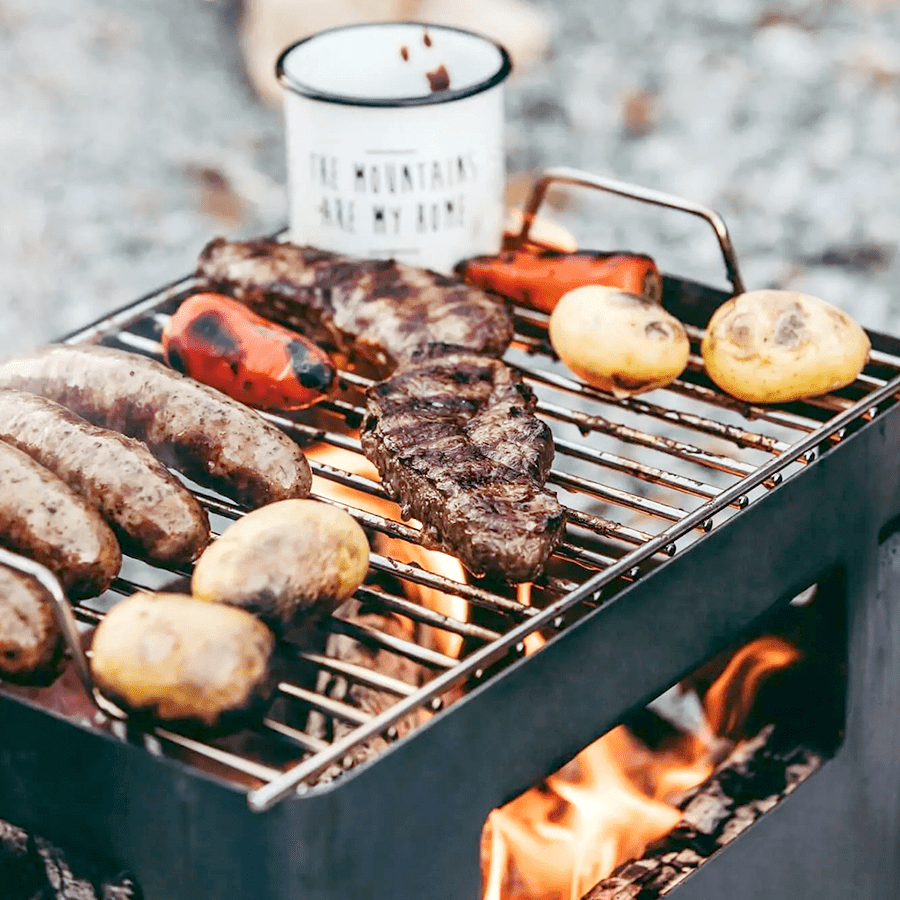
[(224, 757), (359, 674), (750, 411), (879, 357), (630, 435), (324, 704), (739, 436), (296, 736), (606, 527), (637, 470), (368, 635), (425, 616), (621, 498), (582, 555), (471, 593)]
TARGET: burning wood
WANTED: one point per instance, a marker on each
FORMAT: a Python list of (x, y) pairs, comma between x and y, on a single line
[(31, 867), (619, 796), (712, 817)]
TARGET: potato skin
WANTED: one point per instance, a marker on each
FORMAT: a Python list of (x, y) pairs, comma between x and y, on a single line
[(182, 660), (616, 341), (777, 346), (287, 561)]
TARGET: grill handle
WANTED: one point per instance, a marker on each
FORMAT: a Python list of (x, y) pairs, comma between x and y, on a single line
[(566, 175), (67, 625)]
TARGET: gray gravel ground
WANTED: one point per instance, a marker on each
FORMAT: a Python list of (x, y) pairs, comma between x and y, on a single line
[(129, 137)]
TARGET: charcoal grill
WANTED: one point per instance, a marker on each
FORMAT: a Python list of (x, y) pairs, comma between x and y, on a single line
[(692, 516)]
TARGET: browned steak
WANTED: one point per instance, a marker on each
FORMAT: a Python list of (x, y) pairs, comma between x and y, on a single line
[(379, 310), (456, 441)]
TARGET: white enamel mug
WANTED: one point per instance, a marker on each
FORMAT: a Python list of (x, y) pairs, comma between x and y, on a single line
[(395, 142)]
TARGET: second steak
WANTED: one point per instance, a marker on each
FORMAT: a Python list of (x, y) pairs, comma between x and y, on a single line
[(457, 444), (379, 310)]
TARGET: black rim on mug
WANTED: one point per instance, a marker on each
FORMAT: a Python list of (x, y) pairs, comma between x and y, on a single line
[(434, 97)]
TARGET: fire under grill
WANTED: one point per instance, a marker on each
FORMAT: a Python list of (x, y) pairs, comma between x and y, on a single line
[(428, 701)]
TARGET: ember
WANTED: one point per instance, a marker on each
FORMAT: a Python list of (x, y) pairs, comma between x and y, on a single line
[(559, 839)]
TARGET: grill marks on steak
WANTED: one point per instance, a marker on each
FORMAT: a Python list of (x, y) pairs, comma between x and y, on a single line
[(456, 441), (382, 311)]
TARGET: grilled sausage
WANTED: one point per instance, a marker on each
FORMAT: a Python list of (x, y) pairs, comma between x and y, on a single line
[(154, 516), (30, 639), (42, 518), (223, 343), (192, 427), (182, 659)]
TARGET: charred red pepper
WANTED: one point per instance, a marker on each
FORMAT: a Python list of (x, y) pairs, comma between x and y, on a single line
[(538, 278), (219, 341)]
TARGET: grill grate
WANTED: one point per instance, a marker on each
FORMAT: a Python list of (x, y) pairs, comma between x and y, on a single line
[(642, 479)]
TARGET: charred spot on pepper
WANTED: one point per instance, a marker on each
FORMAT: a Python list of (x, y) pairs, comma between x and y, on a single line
[(177, 360), (311, 371), (210, 328)]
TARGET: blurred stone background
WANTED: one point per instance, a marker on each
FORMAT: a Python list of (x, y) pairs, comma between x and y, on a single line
[(130, 134)]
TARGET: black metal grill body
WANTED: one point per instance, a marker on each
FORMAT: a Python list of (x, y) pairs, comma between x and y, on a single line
[(407, 824), (839, 834)]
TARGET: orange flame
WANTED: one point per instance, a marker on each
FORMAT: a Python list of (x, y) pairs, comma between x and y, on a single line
[(556, 841), (433, 561), (729, 699)]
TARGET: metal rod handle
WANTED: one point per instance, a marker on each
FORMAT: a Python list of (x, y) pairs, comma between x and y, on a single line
[(566, 175)]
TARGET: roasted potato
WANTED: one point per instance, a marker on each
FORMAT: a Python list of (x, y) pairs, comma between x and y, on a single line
[(287, 561), (616, 341), (777, 346), (182, 660)]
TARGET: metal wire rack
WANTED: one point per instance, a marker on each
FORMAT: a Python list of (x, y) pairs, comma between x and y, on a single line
[(641, 478)]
